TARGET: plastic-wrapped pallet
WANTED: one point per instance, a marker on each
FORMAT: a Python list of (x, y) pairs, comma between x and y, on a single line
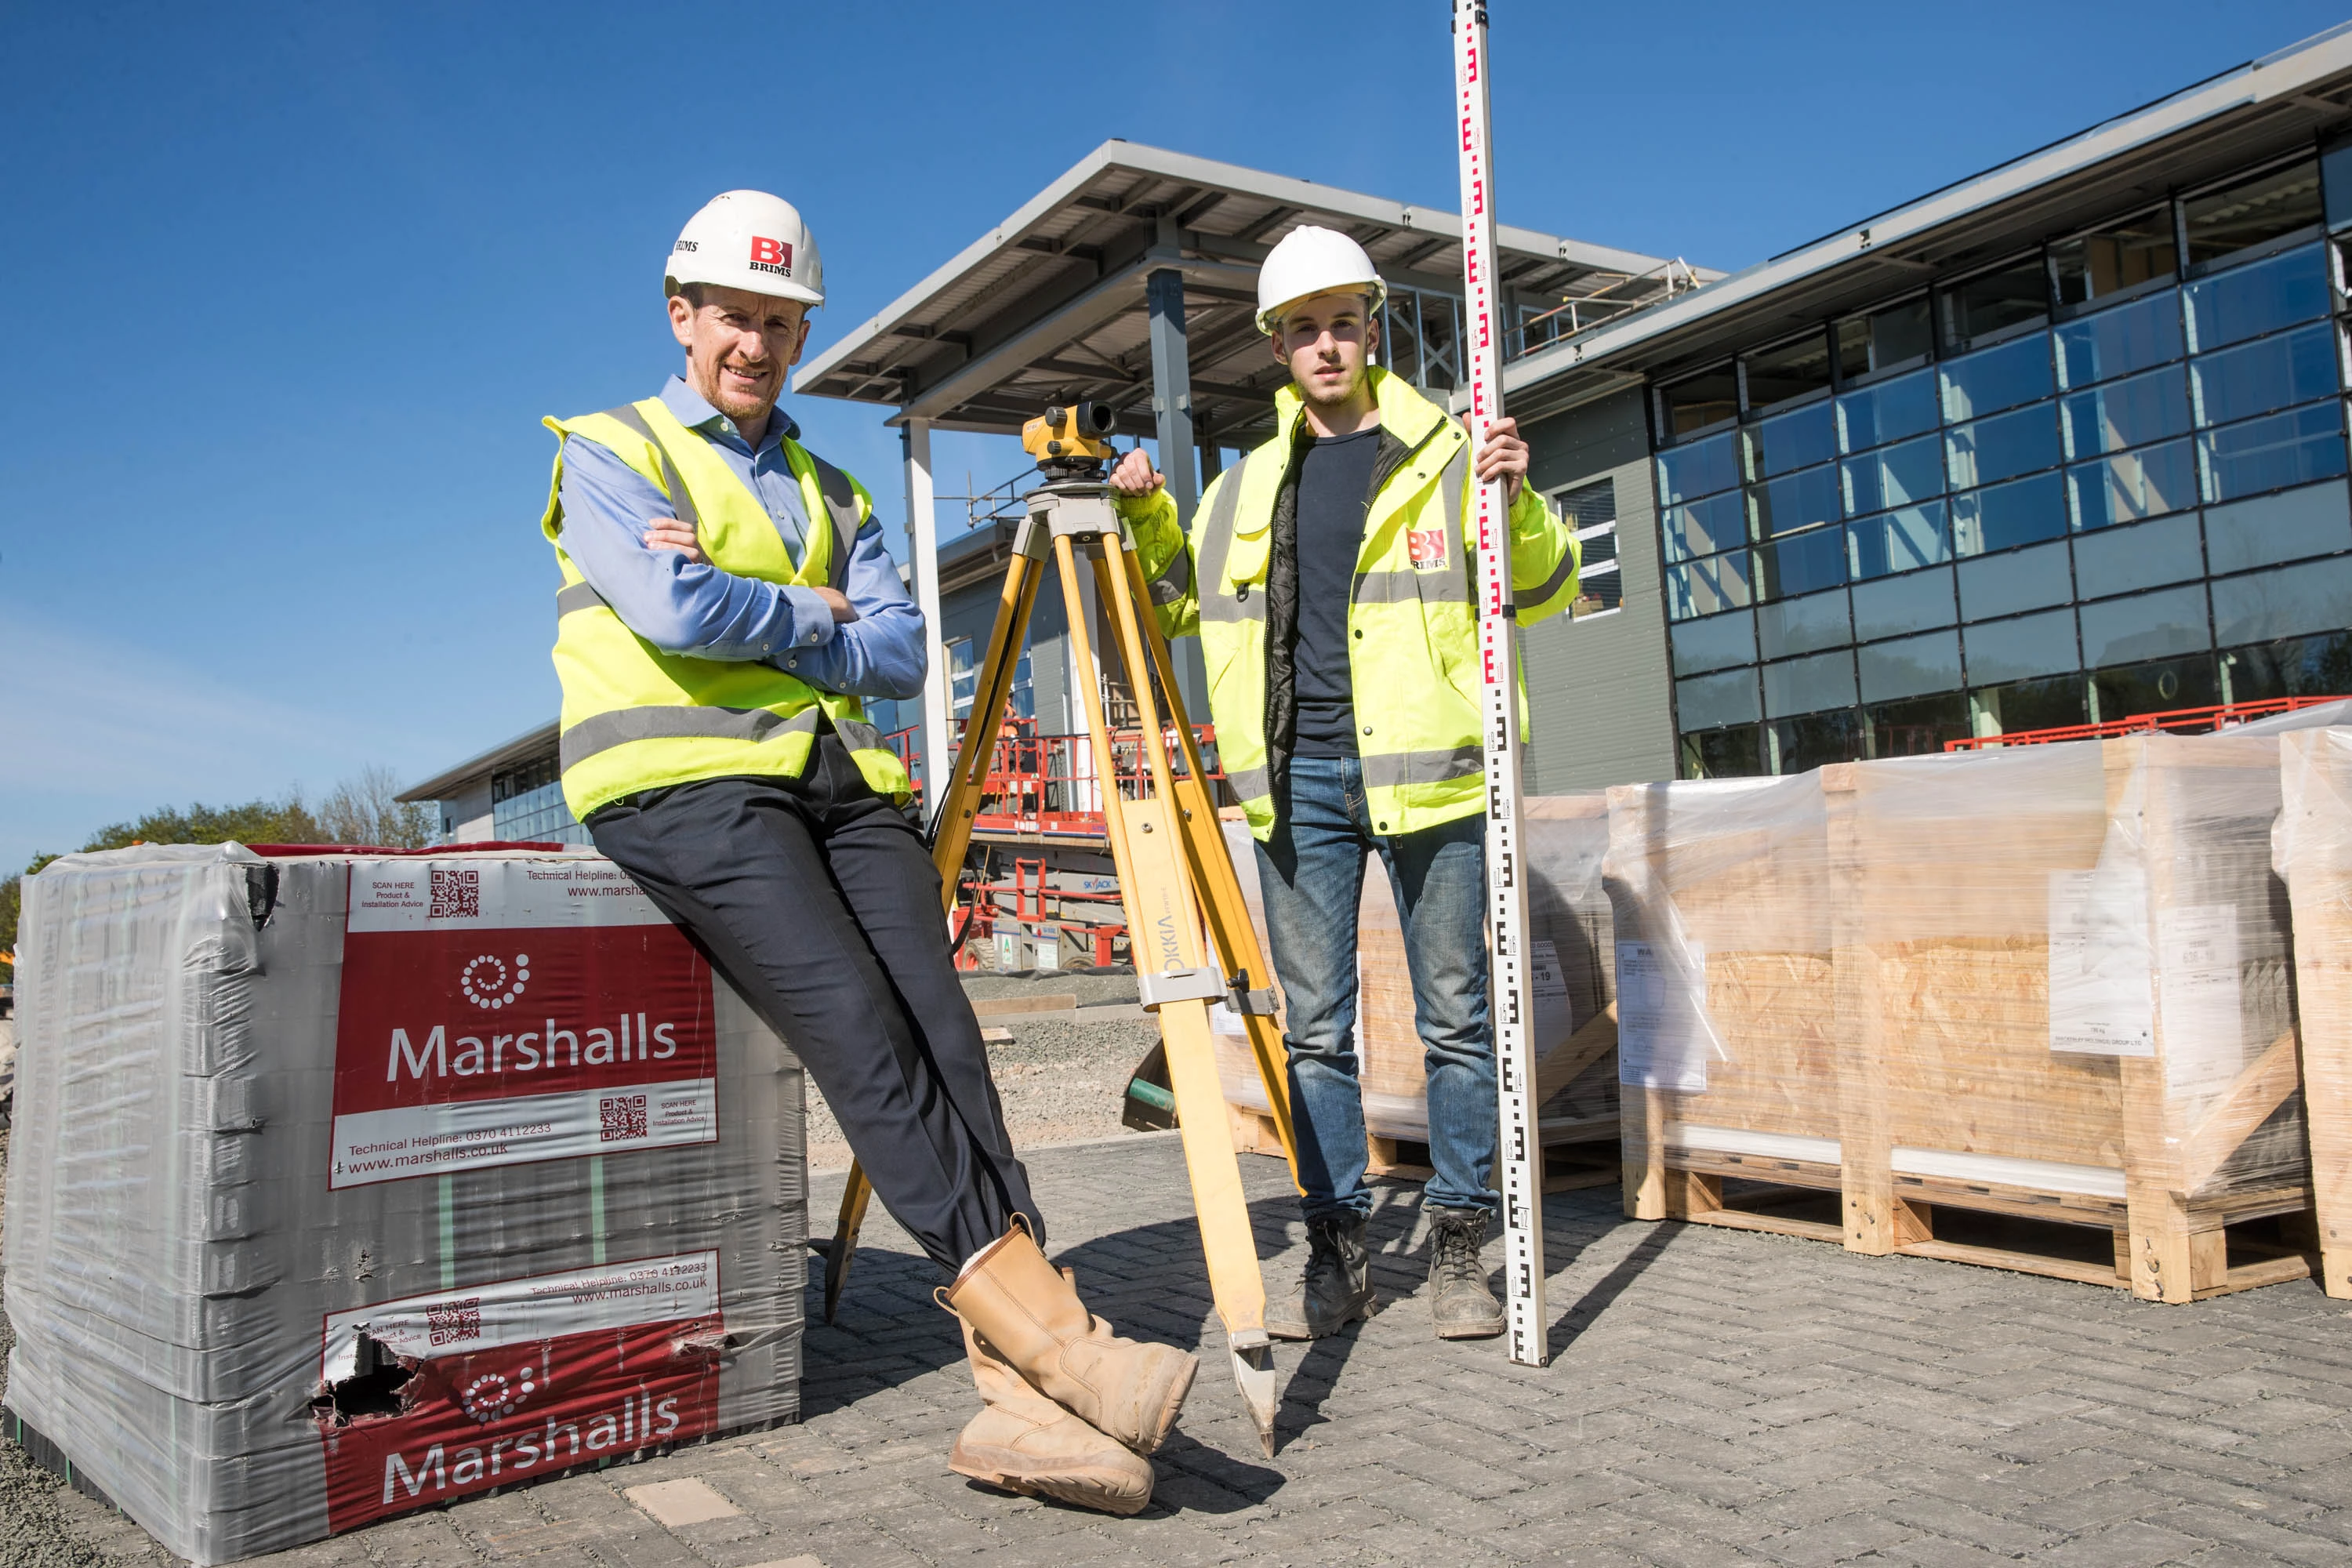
[(345, 1185), (1724, 993), (2312, 848), (2043, 983), (1569, 930)]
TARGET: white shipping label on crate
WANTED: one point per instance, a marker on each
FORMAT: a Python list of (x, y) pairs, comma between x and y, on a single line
[(2198, 988), (1661, 1042), (2102, 999), (501, 1012), (1554, 1020)]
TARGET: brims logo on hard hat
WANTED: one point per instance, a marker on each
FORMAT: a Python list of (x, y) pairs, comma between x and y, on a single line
[(771, 256)]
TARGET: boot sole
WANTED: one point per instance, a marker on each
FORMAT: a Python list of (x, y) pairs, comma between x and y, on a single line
[(1295, 1333), (1473, 1331), (1172, 1404), (1076, 1490)]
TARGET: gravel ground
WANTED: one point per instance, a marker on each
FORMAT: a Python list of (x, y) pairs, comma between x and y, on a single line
[(1062, 1078), (33, 1531)]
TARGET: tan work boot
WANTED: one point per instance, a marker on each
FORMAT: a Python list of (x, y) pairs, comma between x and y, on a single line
[(1033, 1319), (1025, 1443)]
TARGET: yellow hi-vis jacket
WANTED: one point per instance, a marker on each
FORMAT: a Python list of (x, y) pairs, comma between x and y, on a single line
[(636, 718), (1413, 626)]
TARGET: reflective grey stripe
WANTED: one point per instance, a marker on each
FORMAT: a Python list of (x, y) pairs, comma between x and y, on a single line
[(1174, 578), (841, 503), (602, 732), (1215, 541), (857, 736), (1409, 586), (578, 596), (681, 500), (1451, 483), (1251, 783), (1552, 584), (1392, 770)]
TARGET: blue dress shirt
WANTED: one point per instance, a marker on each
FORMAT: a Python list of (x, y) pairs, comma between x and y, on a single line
[(694, 608)]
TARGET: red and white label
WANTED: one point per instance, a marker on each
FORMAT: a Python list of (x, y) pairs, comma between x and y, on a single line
[(1428, 547), (496, 1012), (523, 1377)]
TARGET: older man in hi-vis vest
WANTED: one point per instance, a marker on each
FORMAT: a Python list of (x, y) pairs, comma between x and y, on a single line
[(727, 605)]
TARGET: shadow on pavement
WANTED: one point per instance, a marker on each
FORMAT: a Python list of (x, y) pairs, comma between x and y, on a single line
[(1587, 1309)]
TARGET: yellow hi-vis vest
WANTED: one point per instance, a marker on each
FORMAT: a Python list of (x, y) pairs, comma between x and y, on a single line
[(1412, 622), (636, 718)]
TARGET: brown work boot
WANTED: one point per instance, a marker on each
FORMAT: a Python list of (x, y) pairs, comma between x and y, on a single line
[(1336, 1287), (1024, 1442), (1459, 1297), (1033, 1317)]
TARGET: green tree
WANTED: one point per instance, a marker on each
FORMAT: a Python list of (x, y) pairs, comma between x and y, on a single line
[(360, 810)]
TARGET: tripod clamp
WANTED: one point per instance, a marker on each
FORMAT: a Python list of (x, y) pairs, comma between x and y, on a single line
[(1202, 984)]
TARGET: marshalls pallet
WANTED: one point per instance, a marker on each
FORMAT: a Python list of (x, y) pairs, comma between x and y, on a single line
[(2029, 1008), (343, 1184), (1576, 1022)]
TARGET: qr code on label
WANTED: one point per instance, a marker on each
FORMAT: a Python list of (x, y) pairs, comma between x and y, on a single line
[(456, 894), (454, 1320), (624, 1117)]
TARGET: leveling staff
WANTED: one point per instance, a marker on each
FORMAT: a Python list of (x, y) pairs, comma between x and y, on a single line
[(726, 603), (1332, 584)]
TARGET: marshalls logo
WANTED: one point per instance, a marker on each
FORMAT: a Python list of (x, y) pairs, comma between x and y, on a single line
[(493, 1398), (489, 984)]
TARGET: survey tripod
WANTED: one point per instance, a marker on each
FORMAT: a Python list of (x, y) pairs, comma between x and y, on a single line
[(1188, 929)]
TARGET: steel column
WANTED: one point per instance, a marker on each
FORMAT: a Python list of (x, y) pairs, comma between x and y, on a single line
[(923, 552)]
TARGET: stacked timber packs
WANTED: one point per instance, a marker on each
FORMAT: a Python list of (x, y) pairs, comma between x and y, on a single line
[(342, 1185), (2312, 848), (1568, 931), (2045, 982)]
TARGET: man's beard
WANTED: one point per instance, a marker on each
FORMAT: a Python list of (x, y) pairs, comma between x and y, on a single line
[(1341, 399)]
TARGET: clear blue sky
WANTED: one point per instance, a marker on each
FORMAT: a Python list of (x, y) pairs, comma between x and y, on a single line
[(284, 289)]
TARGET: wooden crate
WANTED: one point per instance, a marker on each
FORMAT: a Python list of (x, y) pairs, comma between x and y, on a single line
[(1725, 997), (2313, 851), (1567, 912), (2055, 989)]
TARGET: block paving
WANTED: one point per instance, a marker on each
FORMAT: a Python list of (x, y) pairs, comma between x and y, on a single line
[(1715, 1397)]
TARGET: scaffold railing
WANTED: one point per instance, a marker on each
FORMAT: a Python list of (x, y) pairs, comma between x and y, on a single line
[(2178, 720)]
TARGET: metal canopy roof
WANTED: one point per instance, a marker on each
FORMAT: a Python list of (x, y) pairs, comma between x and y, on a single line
[(529, 746), (2272, 105), (1051, 303)]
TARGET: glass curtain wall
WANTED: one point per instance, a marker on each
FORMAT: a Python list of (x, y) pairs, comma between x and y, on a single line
[(527, 805), (2105, 478)]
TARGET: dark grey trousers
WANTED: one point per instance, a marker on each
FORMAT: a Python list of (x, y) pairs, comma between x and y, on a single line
[(816, 898)]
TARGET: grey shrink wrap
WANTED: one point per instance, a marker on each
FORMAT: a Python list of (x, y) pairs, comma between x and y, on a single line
[(342, 1184)]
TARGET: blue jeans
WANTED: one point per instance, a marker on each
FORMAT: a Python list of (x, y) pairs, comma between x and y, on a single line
[(1311, 874)]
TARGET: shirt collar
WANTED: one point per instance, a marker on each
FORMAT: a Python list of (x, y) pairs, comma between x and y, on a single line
[(695, 413)]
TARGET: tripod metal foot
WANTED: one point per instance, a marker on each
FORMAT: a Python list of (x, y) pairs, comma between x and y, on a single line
[(1253, 1355)]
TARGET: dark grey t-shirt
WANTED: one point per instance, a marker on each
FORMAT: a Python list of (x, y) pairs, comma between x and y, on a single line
[(1335, 484)]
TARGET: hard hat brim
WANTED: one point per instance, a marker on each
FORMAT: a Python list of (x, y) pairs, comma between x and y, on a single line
[(1375, 292)]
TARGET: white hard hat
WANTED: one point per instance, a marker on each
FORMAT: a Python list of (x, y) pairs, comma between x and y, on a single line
[(1312, 260), (748, 239)]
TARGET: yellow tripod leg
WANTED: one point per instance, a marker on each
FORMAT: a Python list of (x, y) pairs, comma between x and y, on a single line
[(1229, 931), (1163, 917), (951, 837)]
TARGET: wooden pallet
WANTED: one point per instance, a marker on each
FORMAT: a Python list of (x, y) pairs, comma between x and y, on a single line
[(1933, 1106), (2316, 845)]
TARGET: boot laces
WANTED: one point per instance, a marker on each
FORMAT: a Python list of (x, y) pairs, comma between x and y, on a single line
[(1327, 1250), (1458, 1244)]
